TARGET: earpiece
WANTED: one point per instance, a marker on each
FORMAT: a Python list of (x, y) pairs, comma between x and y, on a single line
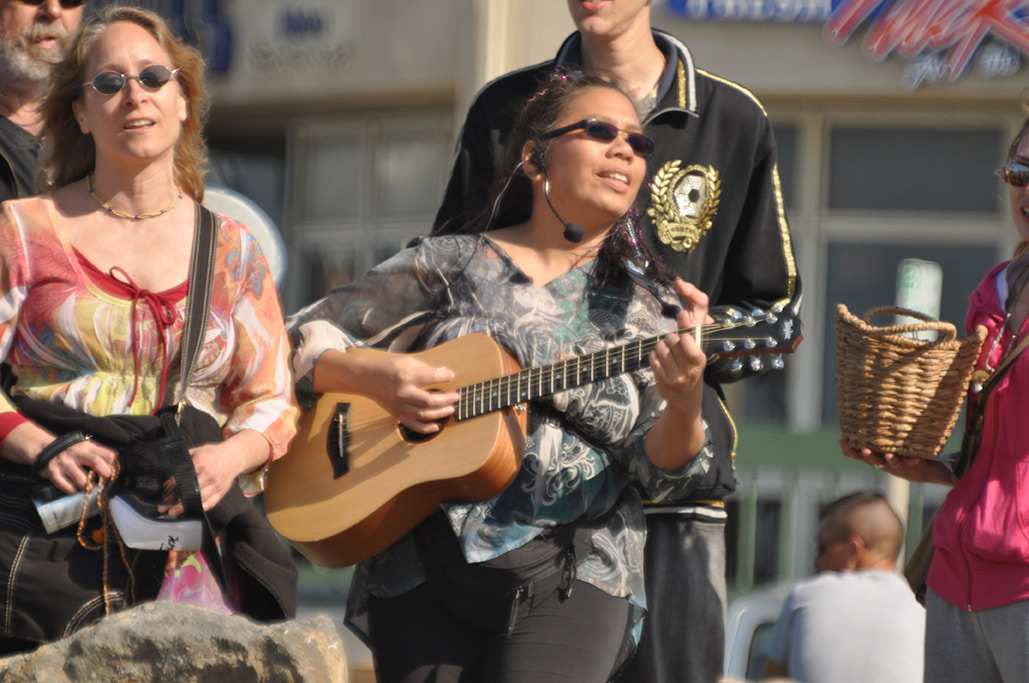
[(537, 159)]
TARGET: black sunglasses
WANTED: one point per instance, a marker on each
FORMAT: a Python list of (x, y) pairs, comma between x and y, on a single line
[(606, 132), (152, 77), (1015, 173), (66, 4)]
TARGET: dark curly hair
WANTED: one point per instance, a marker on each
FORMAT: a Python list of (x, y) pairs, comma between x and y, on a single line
[(511, 193)]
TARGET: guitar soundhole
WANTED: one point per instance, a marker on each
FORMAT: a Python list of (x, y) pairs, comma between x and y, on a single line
[(411, 436)]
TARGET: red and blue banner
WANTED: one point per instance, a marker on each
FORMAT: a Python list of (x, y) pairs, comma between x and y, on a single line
[(941, 37)]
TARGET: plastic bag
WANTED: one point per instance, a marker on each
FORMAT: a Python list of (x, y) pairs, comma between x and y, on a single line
[(189, 580)]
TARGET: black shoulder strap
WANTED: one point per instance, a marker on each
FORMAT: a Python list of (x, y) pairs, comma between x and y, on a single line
[(201, 275)]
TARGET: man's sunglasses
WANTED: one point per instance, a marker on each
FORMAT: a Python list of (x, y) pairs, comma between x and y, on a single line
[(606, 132), (66, 4), (152, 77), (1015, 173)]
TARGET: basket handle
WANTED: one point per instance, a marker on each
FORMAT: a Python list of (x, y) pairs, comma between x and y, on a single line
[(946, 329)]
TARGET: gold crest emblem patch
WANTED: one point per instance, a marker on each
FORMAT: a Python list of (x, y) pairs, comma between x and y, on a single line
[(683, 203)]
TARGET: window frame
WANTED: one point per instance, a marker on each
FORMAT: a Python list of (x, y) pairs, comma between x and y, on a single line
[(365, 228)]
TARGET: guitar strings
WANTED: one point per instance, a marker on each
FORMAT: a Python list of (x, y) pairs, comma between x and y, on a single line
[(501, 388), (477, 398), (593, 361)]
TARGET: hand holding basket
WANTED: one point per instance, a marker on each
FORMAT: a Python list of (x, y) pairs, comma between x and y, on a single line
[(895, 393)]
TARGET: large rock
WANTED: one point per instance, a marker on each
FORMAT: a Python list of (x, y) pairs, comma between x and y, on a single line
[(162, 641)]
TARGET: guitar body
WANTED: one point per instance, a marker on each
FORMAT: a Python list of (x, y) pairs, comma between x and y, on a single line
[(355, 481)]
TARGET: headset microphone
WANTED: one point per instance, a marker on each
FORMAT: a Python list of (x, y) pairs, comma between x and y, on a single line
[(573, 231)]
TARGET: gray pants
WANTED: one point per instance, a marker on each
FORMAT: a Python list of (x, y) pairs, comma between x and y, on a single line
[(988, 646), (684, 633)]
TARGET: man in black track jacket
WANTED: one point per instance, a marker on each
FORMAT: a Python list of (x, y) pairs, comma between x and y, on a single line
[(713, 210)]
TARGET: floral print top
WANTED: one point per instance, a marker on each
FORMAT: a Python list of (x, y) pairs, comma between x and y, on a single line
[(97, 343), (584, 446)]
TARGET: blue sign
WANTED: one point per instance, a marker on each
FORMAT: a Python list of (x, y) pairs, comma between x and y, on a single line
[(801, 11)]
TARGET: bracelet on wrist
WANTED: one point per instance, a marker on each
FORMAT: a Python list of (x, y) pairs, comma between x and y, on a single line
[(55, 448)]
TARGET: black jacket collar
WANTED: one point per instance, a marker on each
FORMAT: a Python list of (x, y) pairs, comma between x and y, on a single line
[(681, 96)]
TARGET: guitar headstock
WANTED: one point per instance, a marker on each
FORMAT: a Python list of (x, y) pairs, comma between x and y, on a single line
[(749, 335)]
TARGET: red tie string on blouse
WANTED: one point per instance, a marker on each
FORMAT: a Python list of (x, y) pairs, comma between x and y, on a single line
[(162, 307)]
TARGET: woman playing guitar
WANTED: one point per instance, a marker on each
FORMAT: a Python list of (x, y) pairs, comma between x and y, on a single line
[(544, 582)]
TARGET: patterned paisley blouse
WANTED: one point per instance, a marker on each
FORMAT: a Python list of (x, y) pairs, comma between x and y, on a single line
[(584, 445), (96, 342)]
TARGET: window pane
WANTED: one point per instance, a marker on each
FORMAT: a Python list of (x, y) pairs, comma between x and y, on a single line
[(766, 541), (330, 180), (255, 168), (764, 397), (329, 268), (786, 143), (912, 169), (408, 175), (863, 275)]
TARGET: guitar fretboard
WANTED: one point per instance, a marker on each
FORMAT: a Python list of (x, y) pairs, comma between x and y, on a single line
[(532, 383)]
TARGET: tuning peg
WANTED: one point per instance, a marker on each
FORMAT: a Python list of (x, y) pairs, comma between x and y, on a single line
[(777, 363), (757, 312), (749, 344), (736, 366), (756, 364), (770, 342), (733, 314), (728, 346), (771, 318)]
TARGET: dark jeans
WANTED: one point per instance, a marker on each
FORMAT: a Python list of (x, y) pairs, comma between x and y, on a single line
[(416, 638), (16, 646), (521, 617), (684, 633)]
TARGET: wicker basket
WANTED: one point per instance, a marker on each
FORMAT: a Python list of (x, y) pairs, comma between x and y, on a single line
[(897, 394)]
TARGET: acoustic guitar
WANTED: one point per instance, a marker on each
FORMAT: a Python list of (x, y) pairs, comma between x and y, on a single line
[(355, 481)]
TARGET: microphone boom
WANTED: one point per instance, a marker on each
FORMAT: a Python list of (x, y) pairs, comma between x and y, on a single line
[(573, 231)]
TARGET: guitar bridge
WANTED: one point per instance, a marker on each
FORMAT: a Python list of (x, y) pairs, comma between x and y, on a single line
[(338, 446)]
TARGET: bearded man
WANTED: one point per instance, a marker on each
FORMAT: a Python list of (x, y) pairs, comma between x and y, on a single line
[(34, 35)]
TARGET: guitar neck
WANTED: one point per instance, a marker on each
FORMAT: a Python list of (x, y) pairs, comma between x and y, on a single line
[(533, 383)]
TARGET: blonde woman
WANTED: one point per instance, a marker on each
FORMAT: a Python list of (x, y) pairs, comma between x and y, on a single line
[(94, 287)]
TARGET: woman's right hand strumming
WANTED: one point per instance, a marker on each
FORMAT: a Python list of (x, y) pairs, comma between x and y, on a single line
[(910, 468), (396, 381), (68, 469)]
